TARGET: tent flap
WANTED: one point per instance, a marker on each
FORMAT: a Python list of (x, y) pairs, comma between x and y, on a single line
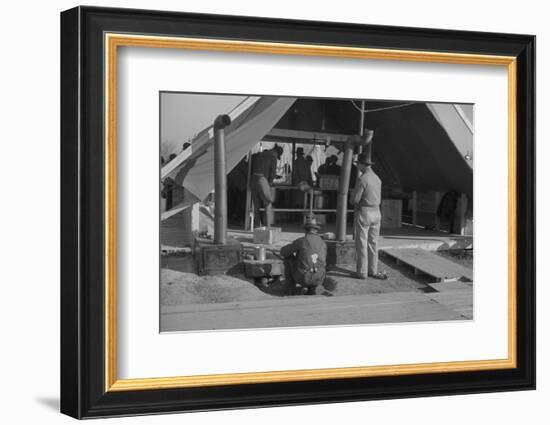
[(196, 174)]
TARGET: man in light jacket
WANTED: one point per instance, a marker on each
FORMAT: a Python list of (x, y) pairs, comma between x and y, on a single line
[(366, 198)]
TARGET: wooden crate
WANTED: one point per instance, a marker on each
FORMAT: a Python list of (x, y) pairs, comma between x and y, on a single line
[(341, 252), (392, 210), (218, 259), (428, 201), (328, 182), (267, 235)]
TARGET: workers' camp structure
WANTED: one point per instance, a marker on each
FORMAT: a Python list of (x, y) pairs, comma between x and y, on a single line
[(423, 153)]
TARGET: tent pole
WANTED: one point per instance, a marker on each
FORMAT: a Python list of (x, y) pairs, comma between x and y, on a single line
[(220, 180), (343, 185), (248, 206), (362, 123)]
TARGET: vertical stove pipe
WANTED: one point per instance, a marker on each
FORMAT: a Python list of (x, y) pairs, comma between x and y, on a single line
[(343, 185), (220, 180)]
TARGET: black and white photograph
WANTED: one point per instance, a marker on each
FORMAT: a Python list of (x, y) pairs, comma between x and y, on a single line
[(280, 212)]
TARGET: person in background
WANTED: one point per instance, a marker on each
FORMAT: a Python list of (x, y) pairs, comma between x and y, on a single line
[(236, 190), (330, 168), (324, 168), (264, 169), (333, 168), (302, 170), (301, 176), (366, 198), (305, 260)]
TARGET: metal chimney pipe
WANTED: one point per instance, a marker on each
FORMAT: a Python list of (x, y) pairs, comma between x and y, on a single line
[(220, 180), (343, 185)]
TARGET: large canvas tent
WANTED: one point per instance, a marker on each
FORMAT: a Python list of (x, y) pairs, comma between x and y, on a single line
[(417, 146)]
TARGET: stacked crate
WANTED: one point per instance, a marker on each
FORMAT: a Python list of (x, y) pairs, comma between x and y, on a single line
[(392, 210)]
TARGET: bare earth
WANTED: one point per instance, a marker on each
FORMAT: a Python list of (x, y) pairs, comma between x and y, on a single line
[(192, 302)]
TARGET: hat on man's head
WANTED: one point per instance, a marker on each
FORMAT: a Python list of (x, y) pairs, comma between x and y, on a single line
[(279, 150), (311, 222), (364, 158), (333, 159), (299, 151)]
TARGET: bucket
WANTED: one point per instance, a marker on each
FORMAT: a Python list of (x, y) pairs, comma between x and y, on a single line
[(319, 202), (260, 253)]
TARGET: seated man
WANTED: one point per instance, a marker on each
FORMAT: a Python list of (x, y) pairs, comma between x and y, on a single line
[(305, 260)]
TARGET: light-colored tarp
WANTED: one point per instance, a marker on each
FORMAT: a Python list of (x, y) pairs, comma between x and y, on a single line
[(237, 114), (196, 173), (458, 125)]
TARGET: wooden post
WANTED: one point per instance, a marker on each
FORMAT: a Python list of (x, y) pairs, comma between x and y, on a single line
[(248, 221), (437, 200), (413, 202), (362, 124)]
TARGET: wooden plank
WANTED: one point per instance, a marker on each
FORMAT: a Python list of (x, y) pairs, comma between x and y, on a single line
[(459, 301), (430, 263), (302, 210), (306, 135), (307, 311), (452, 286)]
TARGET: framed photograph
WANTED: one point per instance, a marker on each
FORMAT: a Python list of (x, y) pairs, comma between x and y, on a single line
[(261, 212)]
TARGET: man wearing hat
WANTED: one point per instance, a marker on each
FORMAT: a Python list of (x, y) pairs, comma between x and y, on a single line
[(366, 198), (331, 168), (302, 169), (264, 170), (301, 173), (305, 260)]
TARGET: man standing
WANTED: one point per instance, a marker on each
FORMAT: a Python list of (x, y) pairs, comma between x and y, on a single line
[(366, 198), (305, 260), (330, 168), (302, 170), (264, 170)]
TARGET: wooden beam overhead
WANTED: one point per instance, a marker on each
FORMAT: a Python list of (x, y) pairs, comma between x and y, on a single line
[(307, 136)]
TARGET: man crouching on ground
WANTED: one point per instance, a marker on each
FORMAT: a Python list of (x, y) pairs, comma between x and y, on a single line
[(305, 260)]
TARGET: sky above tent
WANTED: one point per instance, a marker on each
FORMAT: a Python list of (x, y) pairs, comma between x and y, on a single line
[(183, 115)]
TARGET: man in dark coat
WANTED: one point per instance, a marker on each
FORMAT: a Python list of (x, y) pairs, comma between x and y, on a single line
[(302, 169), (305, 260), (330, 168), (264, 171)]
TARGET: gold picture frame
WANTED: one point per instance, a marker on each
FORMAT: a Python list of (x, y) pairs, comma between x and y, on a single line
[(94, 295)]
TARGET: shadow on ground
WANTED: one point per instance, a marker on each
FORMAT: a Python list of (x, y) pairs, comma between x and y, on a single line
[(49, 402)]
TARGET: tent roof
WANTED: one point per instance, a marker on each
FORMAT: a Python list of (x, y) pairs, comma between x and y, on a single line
[(411, 147), (416, 146)]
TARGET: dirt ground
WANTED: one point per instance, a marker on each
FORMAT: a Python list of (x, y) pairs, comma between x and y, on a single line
[(181, 286)]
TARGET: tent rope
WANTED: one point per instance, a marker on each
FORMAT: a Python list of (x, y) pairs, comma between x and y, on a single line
[(382, 109)]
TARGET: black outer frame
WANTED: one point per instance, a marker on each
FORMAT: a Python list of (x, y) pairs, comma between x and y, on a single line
[(82, 207)]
